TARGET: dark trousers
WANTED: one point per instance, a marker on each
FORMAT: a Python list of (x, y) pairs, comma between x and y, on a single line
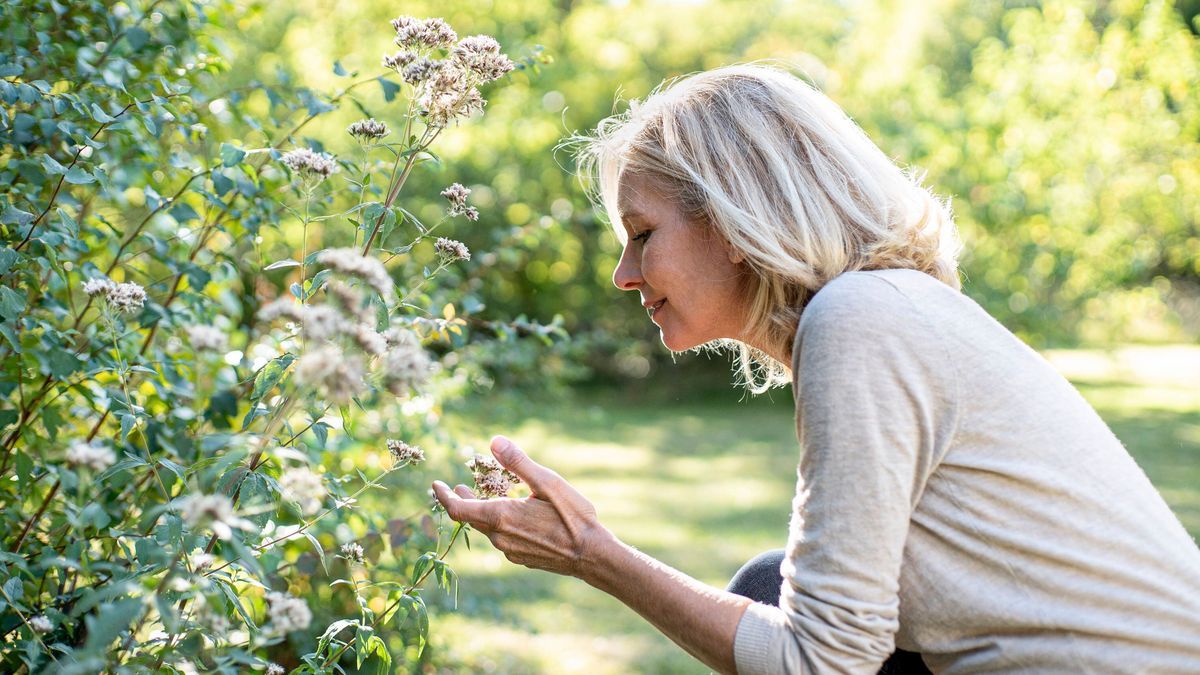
[(760, 581)]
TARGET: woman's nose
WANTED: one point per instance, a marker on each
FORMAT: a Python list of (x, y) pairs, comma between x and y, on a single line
[(628, 275)]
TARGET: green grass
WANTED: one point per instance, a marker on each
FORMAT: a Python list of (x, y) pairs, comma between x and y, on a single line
[(703, 483)]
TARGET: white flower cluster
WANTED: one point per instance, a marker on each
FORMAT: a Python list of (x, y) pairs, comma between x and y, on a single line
[(327, 368), (304, 487), (406, 365), (215, 510), (446, 88), (414, 33), (318, 322), (451, 250), (275, 669), (353, 553), (457, 195), (491, 479), (368, 268), (313, 167), (480, 54), (287, 613), (368, 130), (403, 453), (207, 338), (40, 624), (125, 297), (93, 456)]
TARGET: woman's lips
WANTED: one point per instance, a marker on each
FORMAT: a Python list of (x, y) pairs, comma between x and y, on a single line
[(656, 306)]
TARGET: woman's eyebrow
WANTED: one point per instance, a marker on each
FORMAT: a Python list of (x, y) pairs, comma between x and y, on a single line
[(626, 215)]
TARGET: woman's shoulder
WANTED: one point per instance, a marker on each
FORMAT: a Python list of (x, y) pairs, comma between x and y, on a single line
[(872, 295)]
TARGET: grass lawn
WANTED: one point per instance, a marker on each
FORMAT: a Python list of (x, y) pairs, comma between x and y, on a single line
[(704, 482)]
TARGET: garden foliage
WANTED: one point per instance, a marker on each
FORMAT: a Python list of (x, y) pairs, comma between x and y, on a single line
[(193, 327)]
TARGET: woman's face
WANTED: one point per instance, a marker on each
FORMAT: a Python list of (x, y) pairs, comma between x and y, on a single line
[(688, 276)]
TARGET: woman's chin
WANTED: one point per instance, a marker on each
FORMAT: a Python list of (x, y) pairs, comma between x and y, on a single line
[(673, 342)]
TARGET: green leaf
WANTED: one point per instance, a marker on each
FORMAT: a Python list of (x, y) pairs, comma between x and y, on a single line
[(231, 155), (221, 183), (12, 303), (52, 167), (100, 116), (319, 549), (270, 375), (78, 176), (421, 565), (15, 216), (390, 89), (232, 596), (281, 264), (107, 624), (137, 37), (361, 637), (376, 646), (8, 258)]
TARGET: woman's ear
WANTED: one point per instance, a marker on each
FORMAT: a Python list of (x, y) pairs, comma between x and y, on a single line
[(736, 256)]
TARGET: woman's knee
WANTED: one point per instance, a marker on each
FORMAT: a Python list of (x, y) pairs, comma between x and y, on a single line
[(760, 578)]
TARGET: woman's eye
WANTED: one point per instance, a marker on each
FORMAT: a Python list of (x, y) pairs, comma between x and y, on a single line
[(641, 237)]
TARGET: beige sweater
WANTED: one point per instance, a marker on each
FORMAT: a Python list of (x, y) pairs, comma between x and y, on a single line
[(958, 498)]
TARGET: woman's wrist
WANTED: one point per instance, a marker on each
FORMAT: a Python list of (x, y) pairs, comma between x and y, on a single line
[(602, 549)]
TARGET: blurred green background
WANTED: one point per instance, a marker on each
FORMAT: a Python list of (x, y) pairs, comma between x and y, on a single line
[(1067, 135)]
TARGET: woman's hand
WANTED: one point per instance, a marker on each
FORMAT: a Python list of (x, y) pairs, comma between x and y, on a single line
[(554, 529)]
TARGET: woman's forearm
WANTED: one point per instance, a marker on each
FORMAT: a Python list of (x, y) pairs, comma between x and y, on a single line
[(701, 619)]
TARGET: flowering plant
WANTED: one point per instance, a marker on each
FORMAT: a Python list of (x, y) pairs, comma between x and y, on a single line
[(173, 496)]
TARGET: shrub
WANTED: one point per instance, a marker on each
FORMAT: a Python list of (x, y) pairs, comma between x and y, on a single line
[(196, 331)]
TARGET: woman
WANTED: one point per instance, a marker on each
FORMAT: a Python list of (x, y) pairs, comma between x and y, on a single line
[(956, 498)]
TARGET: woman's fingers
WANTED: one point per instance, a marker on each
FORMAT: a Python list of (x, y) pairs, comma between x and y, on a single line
[(464, 491), (541, 480), (463, 508)]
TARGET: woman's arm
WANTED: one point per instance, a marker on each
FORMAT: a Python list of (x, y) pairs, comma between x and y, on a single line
[(556, 529)]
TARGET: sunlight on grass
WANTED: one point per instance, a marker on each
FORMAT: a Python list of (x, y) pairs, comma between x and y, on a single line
[(704, 485)]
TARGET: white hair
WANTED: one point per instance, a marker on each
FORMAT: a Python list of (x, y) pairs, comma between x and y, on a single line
[(787, 178)]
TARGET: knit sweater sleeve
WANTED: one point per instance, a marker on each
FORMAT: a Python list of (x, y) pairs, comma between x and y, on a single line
[(876, 405)]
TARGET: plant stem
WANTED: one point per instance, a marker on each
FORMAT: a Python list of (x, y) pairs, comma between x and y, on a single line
[(336, 655)]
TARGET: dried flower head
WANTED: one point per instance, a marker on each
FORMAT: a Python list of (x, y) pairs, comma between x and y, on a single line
[(471, 213), (350, 301), (456, 195), (368, 130), (421, 70), (349, 261), (491, 479), (216, 510), (95, 457), (304, 487), (405, 366), (328, 369), (207, 338), (40, 624), (414, 33), (287, 613), (322, 322), (403, 453), (313, 167), (353, 553), (371, 341), (201, 561), (443, 106), (126, 297), (451, 250), (98, 286), (481, 55), (400, 59)]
